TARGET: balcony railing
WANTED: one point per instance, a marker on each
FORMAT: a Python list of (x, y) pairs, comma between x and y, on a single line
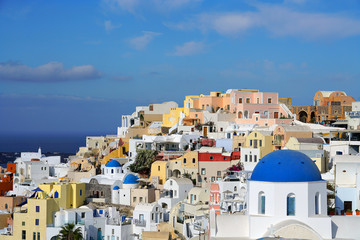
[(276, 142), (139, 222)]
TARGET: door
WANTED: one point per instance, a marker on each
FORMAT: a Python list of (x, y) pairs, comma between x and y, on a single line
[(205, 131), (276, 115), (347, 205)]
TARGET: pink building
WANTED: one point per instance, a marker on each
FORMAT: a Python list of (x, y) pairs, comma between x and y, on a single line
[(254, 107)]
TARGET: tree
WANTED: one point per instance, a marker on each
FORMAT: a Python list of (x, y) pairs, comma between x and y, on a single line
[(68, 232), (144, 159)]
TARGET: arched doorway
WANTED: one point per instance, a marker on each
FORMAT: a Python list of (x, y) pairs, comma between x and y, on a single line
[(312, 117), (303, 116), (176, 173), (240, 114)]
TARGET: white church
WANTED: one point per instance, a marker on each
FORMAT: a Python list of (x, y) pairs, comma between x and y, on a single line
[(288, 199)]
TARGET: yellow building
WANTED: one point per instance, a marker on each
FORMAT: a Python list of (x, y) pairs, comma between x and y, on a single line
[(189, 103), (170, 119), (159, 171), (121, 152), (186, 164), (34, 217), (259, 140)]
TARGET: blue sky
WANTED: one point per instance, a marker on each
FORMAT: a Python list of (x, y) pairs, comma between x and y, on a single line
[(77, 66)]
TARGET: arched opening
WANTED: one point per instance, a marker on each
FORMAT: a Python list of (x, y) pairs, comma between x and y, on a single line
[(303, 116), (56, 195), (240, 114), (112, 171), (266, 114), (176, 173), (261, 203), (290, 202), (246, 114), (312, 117), (317, 203)]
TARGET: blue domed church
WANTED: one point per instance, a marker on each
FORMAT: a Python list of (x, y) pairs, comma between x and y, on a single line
[(287, 198)]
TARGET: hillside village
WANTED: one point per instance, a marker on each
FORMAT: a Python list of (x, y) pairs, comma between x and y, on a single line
[(240, 164)]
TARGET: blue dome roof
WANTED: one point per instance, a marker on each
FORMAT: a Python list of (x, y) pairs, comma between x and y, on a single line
[(131, 179), (113, 163), (116, 188), (286, 166)]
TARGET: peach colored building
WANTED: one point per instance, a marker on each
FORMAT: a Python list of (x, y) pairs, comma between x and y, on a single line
[(215, 198), (9, 203), (283, 133), (262, 108), (325, 98), (212, 102)]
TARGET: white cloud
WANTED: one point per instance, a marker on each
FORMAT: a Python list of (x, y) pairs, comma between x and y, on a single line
[(140, 43), (50, 72), (189, 48), (110, 26), (277, 20)]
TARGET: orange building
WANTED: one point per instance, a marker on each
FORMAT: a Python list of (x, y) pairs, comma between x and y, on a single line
[(6, 183), (328, 106), (326, 98)]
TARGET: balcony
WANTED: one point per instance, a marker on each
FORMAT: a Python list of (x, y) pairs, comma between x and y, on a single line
[(139, 222), (276, 142)]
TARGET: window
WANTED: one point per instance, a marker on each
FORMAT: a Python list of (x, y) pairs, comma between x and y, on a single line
[(112, 231), (23, 234), (195, 197), (212, 179), (218, 173), (80, 192), (38, 236), (290, 202), (258, 100), (37, 209), (6, 206), (134, 199), (158, 168), (23, 223), (203, 171), (34, 235), (269, 100), (175, 195), (211, 157), (82, 215), (246, 158), (240, 100), (317, 203), (112, 171), (235, 189), (260, 143), (152, 216), (37, 222), (141, 199), (250, 158), (184, 160), (255, 158), (193, 160), (250, 142), (56, 195), (247, 100), (261, 203)]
